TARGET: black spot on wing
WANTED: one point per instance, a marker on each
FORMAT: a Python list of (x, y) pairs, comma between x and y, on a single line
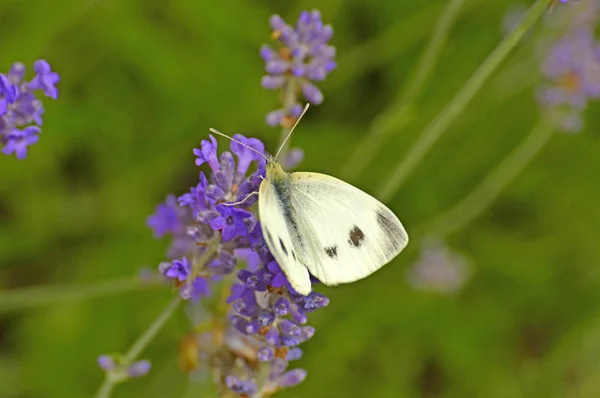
[(356, 236), (331, 251), (391, 229), (294, 255), (269, 237), (283, 247)]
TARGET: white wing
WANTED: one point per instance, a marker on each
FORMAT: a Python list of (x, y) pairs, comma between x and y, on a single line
[(282, 242), (347, 234)]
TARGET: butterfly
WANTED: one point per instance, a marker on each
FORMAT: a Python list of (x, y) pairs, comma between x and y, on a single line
[(317, 224)]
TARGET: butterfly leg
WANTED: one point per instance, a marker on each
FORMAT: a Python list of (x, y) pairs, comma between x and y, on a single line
[(241, 201)]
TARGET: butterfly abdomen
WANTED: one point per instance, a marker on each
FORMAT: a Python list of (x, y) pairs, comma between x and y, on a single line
[(282, 188), (280, 180)]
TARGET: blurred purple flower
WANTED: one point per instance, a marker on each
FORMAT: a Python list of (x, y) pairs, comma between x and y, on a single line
[(243, 387), (139, 369), (17, 141), (106, 363), (168, 218), (45, 79), (20, 107), (572, 70), (438, 270), (118, 370)]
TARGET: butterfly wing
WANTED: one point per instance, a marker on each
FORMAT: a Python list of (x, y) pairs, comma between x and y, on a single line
[(347, 234), (282, 236)]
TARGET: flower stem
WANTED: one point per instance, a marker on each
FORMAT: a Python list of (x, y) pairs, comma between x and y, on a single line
[(25, 298), (289, 100), (488, 190), (141, 343), (440, 124), (398, 114)]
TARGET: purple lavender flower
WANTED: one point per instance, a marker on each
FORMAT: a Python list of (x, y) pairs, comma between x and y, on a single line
[(168, 218), (208, 153), (118, 368), (191, 287), (44, 79), (17, 141), (242, 387), (178, 270), (439, 270), (231, 221), (293, 158), (139, 368), (572, 69), (266, 317), (20, 109), (106, 363), (245, 155), (304, 57)]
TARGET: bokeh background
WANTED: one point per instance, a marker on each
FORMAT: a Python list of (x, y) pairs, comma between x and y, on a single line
[(143, 80)]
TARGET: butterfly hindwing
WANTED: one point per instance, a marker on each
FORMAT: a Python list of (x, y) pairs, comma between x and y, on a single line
[(347, 234), (282, 236)]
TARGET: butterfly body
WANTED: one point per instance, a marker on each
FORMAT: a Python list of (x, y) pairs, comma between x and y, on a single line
[(315, 222)]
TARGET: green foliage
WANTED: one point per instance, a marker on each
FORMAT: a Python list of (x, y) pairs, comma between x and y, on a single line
[(142, 81)]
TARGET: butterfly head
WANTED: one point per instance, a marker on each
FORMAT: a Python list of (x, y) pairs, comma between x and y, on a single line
[(274, 170)]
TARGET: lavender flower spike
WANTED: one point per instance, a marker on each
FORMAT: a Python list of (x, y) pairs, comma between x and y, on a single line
[(20, 109), (217, 238), (305, 57), (266, 318), (572, 70)]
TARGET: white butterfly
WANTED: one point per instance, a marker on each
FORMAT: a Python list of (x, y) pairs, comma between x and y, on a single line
[(316, 223)]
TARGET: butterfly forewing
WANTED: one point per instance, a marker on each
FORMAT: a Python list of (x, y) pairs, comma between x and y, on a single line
[(347, 234), (281, 235)]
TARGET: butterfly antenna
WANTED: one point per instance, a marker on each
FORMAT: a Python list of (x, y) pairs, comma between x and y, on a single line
[(292, 130), (217, 132)]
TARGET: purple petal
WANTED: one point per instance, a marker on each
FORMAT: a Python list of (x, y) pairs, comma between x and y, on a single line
[(106, 362), (292, 378), (312, 93), (272, 82), (274, 118), (139, 369)]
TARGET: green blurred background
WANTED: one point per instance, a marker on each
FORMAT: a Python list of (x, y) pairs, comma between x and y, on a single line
[(143, 80)]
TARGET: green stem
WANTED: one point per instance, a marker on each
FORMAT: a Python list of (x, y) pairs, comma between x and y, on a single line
[(439, 125), (141, 343), (289, 100), (105, 390), (488, 190), (398, 114), (19, 299), (145, 339)]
